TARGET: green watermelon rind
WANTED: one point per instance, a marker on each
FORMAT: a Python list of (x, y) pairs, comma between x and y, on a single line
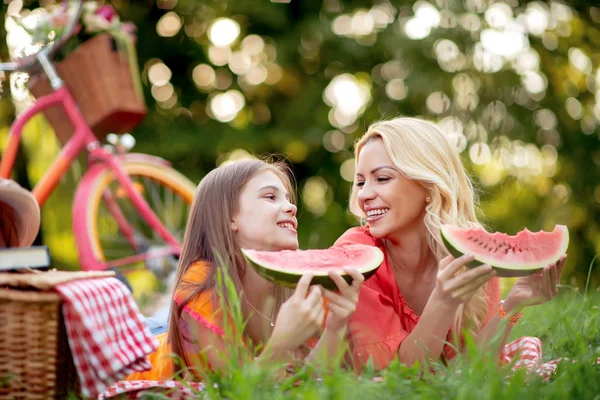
[(290, 279), (505, 270)]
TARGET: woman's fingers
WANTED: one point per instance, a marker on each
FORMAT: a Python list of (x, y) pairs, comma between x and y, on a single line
[(471, 287), (455, 266), (554, 279), (445, 261), (561, 266), (469, 276), (546, 283)]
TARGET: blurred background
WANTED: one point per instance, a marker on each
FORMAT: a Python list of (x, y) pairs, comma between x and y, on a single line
[(515, 84)]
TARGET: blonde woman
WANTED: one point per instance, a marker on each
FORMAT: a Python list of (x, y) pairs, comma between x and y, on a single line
[(409, 180)]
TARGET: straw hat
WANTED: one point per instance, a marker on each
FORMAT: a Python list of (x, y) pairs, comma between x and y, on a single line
[(19, 211)]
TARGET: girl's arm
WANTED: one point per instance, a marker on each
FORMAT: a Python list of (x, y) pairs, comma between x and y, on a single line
[(341, 306)]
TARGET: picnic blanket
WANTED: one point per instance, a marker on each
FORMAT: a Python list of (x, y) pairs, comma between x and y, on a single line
[(106, 332), (138, 389)]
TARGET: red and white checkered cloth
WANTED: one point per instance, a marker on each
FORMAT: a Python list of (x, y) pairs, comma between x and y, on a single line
[(137, 389), (106, 332), (526, 352)]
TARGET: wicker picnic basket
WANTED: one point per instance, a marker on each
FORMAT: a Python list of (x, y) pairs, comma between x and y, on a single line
[(100, 79), (35, 358)]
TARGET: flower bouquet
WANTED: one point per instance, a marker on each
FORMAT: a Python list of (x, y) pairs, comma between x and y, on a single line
[(98, 63)]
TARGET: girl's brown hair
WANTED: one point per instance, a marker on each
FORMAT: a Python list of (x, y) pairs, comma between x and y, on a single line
[(208, 235)]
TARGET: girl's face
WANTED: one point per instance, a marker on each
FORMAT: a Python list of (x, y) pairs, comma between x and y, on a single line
[(266, 219), (391, 202)]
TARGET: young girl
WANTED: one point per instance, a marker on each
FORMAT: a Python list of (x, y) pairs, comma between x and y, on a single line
[(409, 181), (248, 204)]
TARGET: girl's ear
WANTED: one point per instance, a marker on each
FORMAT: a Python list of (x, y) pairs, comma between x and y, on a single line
[(233, 225)]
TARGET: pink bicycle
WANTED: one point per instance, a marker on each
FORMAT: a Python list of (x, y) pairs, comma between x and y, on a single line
[(129, 210)]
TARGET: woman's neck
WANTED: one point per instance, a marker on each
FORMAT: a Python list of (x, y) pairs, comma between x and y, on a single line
[(409, 252)]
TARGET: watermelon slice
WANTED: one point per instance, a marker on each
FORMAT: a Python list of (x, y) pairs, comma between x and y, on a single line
[(518, 255), (287, 266)]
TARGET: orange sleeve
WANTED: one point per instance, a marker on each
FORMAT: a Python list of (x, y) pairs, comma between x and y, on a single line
[(161, 360)]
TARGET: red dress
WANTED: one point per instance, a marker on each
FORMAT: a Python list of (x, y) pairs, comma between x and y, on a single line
[(382, 319)]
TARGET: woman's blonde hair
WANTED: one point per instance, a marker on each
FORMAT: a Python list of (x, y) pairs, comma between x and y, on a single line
[(208, 237), (422, 152)]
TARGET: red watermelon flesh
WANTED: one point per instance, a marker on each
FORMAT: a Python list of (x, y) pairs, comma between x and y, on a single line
[(526, 251), (287, 266)]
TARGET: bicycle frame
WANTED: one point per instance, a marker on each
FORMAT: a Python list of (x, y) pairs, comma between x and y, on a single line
[(83, 139)]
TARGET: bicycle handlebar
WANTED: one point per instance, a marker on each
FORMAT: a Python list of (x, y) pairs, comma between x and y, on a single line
[(28, 63)]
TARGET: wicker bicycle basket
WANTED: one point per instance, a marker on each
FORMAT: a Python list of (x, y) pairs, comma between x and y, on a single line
[(100, 79)]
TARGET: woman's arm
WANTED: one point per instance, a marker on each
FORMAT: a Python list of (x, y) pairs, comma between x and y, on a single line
[(427, 339), (529, 290)]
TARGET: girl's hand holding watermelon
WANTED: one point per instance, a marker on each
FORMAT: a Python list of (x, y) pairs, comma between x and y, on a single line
[(299, 318), (341, 306), (537, 288)]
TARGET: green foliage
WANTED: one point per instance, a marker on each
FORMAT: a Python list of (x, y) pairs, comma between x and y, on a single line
[(568, 327), (543, 165)]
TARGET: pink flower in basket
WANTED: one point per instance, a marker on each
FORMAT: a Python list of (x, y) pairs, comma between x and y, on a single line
[(107, 12)]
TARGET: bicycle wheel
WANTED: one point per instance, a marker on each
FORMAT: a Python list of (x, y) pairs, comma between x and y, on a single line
[(140, 255)]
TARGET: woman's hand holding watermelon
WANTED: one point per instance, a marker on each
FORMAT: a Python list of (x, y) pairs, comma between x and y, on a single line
[(537, 288), (341, 306), (299, 318), (454, 289)]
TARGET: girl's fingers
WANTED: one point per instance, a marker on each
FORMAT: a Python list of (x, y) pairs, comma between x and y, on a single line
[(338, 311), (341, 284), (357, 277), (333, 297), (314, 296), (302, 286), (455, 266), (339, 300), (320, 315)]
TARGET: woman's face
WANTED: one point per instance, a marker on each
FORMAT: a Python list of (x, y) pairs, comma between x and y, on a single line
[(391, 202), (266, 219)]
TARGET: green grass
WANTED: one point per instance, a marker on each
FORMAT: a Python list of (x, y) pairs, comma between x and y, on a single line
[(568, 327)]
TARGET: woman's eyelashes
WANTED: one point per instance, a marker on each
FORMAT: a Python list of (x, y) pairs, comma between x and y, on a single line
[(381, 179)]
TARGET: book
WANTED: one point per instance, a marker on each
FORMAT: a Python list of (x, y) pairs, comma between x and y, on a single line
[(24, 257)]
